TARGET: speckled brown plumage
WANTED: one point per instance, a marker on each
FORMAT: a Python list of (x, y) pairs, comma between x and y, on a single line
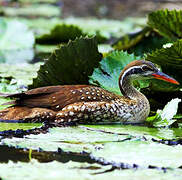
[(65, 103), (84, 103)]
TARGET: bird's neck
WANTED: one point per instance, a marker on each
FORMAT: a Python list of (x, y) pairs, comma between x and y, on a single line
[(128, 90)]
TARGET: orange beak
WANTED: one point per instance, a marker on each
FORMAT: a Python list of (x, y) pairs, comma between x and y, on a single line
[(164, 77)]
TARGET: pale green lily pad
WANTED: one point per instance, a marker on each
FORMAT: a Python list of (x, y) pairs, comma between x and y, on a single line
[(79, 171), (91, 26), (105, 48), (23, 38), (45, 48), (107, 27), (52, 170), (127, 148), (16, 42), (138, 131), (44, 10), (142, 153), (16, 56), (22, 74), (73, 139)]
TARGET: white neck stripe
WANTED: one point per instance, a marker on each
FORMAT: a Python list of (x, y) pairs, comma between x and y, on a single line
[(127, 72)]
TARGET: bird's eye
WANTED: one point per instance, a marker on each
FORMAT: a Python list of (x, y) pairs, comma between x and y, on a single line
[(146, 68)]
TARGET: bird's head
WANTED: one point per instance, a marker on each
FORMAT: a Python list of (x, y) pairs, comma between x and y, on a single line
[(140, 69)]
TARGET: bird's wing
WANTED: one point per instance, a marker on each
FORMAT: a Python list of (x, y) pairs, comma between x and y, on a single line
[(57, 97)]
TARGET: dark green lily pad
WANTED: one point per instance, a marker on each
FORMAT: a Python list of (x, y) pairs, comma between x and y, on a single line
[(60, 33), (69, 64)]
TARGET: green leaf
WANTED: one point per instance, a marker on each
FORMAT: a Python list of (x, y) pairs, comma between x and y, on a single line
[(167, 23), (170, 60), (106, 76), (69, 64), (164, 118), (15, 35), (60, 33)]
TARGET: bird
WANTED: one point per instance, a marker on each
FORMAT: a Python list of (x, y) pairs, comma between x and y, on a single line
[(86, 103)]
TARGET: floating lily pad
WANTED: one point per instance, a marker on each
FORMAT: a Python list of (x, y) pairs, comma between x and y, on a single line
[(138, 131), (57, 171), (112, 147), (105, 27), (79, 171), (23, 38), (60, 33), (18, 75), (16, 56), (68, 139), (34, 10), (102, 28), (16, 42), (142, 153)]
